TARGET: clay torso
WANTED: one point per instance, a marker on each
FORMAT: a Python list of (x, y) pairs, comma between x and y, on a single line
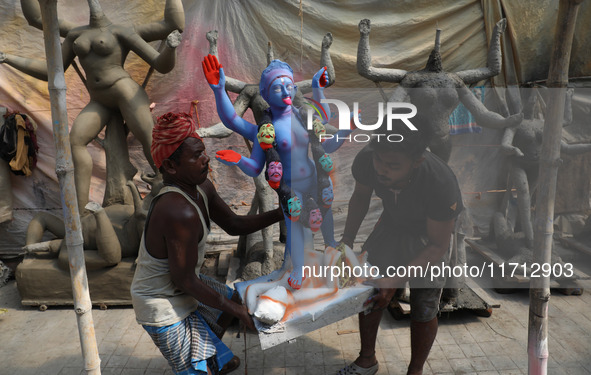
[(528, 138), (292, 145), (435, 95), (97, 41), (125, 226), (101, 56)]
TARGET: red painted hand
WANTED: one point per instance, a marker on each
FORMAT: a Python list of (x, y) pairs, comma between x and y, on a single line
[(323, 78), (228, 156), (320, 79), (211, 68)]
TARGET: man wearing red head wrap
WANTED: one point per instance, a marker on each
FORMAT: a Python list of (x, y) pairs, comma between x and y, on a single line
[(184, 312), (170, 131)]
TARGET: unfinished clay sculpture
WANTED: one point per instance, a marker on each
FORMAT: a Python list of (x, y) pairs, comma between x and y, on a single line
[(437, 93), (101, 48), (109, 234), (523, 145), (249, 96)]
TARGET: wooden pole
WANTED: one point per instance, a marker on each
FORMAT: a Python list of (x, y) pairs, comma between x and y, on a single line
[(548, 170), (65, 172)]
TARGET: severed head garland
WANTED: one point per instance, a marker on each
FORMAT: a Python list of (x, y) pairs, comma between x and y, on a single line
[(311, 212)]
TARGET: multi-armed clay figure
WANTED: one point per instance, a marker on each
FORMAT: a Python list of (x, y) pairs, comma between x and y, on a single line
[(437, 93), (249, 96), (282, 137), (101, 48), (523, 145)]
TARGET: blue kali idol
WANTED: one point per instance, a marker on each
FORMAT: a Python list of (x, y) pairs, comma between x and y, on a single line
[(305, 188)]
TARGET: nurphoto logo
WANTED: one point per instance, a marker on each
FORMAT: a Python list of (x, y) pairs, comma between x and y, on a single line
[(345, 115)]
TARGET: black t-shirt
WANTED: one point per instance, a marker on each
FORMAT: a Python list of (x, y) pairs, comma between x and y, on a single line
[(433, 193)]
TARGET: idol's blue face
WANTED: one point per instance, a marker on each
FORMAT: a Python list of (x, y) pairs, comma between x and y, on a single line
[(294, 205), (326, 163), (327, 195), (281, 92)]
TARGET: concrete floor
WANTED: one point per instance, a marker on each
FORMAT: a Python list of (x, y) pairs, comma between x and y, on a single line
[(35, 342)]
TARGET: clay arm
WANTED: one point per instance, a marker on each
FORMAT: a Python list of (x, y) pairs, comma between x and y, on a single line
[(319, 82), (507, 143), (493, 63), (358, 207), (182, 237), (38, 68), (325, 60), (214, 73), (32, 13), (330, 145), (241, 104), (250, 166), (364, 67), (108, 246), (164, 61), (41, 222), (230, 118), (333, 143), (232, 84), (237, 225), (32, 67), (575, 149), (482, 115), (174, 19)]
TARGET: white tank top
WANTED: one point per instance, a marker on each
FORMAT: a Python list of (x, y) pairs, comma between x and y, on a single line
[(156, 300)]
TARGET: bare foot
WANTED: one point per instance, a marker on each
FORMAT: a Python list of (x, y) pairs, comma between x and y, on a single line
[(295, 280)]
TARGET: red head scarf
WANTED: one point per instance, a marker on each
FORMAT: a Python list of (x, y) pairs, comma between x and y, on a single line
[(170, 131)]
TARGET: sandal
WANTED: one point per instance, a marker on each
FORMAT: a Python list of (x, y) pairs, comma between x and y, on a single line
[(353, 369), (232, 365)]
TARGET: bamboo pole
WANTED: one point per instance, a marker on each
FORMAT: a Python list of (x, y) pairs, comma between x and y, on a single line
[(65, 172), (543, 226)]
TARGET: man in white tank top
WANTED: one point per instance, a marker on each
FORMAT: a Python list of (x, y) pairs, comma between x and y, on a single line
[(184, 312)]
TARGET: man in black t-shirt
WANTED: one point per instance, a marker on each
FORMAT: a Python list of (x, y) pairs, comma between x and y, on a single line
[(421, 200)]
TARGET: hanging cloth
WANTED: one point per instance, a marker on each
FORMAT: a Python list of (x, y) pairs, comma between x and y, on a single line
[(18, 144), (461, 120)]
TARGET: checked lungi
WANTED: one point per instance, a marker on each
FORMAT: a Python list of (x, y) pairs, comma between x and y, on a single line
[(192, 345)]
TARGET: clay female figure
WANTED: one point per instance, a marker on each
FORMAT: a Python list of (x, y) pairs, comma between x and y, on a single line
[(109, 234), (101, 48), (437, 93), (292, 142)]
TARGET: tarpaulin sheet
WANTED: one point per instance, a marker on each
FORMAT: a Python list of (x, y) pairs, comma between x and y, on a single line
[(402, 36)]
